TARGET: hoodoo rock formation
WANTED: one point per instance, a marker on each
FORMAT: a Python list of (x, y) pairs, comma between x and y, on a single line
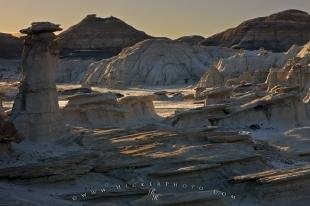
[(247, 66), (295, 75), (277, 32), (281, 102), (106, 110), (36, 112), (105, 37), (155, 62), (10, 46)]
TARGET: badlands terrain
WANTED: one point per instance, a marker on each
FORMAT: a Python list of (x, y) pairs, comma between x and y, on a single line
[(103, 114)]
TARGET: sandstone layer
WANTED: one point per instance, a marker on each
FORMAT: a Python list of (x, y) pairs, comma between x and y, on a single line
[(106, 110), (277, 32), (155, 62), (247, 66)]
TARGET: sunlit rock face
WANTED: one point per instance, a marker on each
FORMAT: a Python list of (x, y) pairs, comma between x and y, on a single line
[(102, 36), (36, 112), (155, 62), (295, 74), (304, 55), (252, 61), (280, 102), (247, 66), (277, 32), (212, 78)]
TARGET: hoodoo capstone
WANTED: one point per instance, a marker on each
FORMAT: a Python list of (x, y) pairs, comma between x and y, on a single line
[(36, 111)]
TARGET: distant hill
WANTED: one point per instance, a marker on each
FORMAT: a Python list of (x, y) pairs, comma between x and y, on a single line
[(155, 62), (192, 40), (102, 36), (277, 32), (10, 46)]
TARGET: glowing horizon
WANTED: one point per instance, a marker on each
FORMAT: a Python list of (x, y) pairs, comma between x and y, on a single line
[(169, 18)]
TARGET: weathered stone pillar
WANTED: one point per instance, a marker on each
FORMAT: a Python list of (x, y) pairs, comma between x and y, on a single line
[(36, 111)]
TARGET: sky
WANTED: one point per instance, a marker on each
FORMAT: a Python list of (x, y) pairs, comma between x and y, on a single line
[(169, 18)]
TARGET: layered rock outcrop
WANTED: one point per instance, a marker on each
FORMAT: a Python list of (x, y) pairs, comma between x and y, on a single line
[(106, 110), (281, 102), (106, 36), (9, 69), (294, 75), (247, 67), (304, 55), (277, 32), (72, 70), (155, 62), (191, 40), (10, 46), (36, 112), (68, 70), (255, 61), (212, 78), (218, 95), (275, 111), (281, 111)]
